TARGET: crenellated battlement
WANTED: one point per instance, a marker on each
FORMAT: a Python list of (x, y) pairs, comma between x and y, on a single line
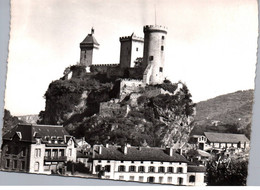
[(132, 37), (106, 65), (158, 28), (131, 80)]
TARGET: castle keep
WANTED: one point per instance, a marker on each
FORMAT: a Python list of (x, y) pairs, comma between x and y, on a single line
[(140, 58)]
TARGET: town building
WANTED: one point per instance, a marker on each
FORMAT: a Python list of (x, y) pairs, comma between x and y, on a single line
[(145, 164), (212, 140), (37, 149)]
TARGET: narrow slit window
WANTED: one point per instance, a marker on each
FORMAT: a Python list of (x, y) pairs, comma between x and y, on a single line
[(162, 48)]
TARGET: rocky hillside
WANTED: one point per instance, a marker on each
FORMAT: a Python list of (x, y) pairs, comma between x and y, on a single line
[(158, 115), (9, 121), (29, 118), (226, 113)]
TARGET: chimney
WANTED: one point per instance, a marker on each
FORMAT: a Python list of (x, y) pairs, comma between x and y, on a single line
[(124, 149), (100, 149), (169, 151)]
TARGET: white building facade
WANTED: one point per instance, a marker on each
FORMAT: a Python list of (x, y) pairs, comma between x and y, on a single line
[(150, 165)]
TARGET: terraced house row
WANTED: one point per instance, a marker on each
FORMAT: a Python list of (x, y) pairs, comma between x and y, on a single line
[(47, 149)]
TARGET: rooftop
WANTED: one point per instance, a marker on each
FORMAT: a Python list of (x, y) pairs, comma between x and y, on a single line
[(28, 132), (226, 137), (136, 154)]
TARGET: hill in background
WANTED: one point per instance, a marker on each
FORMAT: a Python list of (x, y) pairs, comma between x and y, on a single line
[(231, 113)]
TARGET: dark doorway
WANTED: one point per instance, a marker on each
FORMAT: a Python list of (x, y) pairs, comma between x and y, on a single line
[(150, 179), (201, 146)]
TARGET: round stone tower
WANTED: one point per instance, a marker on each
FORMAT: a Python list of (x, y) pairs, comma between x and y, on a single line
[(153, 57)]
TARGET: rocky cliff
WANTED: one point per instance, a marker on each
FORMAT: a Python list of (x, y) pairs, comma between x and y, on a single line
[(140, 118)]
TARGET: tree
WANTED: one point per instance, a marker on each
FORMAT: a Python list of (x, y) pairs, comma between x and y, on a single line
[(227, 173)]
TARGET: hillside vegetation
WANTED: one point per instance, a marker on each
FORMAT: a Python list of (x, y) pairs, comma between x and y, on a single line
[(226, 113)]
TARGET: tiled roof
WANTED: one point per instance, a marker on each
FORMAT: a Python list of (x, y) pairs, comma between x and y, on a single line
[(196, 168), (226, 137), (90, 39), (29, 132), (137, 154)]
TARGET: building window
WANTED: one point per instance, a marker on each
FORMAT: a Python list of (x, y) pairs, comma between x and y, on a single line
[(99, 161), (170, 169), (55, 153), (132, 168), (121, 168), (61, 152), (122, 161), (98, 168), (108, 161), (107, 168), (7, 163), (48, 152), (70, 152), (162, 48), (36, 166), (137, 49), (141, 169), (161, 170), (180, 180), (132, 178), (14, 164), (23, 151), (179, 170), (162, 37), (192, 179), (22, 165), (141, 178), (142, 162), (169, 180), (160, 179), (151, 169), (37, 152), (161, 69), (151, 58), (121, 177), (132, 162), (151, 162)]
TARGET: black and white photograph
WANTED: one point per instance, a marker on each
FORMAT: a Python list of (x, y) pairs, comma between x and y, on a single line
[(140, 91)]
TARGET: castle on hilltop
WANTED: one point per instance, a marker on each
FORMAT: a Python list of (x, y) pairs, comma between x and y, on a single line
[(141, 59)]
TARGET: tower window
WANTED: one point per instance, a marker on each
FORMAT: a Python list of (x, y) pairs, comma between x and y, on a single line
[(162, 48), (161, 69), (162, 37), (150, 58)]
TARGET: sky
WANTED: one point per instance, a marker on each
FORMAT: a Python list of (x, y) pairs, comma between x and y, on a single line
[(211, 44)]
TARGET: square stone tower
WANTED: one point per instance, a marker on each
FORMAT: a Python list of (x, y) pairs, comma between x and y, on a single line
[(131, 49), (88, 48)]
